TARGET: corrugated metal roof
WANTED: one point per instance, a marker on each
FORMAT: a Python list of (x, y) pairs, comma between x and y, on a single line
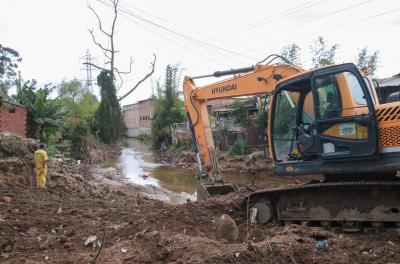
[(12, 103), (390, 81)]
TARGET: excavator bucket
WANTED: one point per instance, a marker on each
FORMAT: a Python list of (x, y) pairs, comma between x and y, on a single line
[(206, 190)]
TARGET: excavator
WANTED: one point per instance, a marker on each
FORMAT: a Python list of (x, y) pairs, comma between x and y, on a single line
[(324, 121)]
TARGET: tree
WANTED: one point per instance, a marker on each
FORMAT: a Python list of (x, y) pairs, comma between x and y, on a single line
[(168, 107), (9, 60), (45, 115), (109, 52), (292, 53), (367, 61), (322, 53), (108, 117), (73, 89)]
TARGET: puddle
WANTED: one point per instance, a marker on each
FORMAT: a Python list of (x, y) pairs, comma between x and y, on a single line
[(141, 165)]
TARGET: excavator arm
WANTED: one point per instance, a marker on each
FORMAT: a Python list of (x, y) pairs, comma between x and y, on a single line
[(259, 79)]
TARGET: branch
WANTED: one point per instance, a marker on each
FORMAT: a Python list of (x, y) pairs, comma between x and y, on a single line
[(94, 65), (122, 80), (153, 64), (98, 19), (125, 72), (95, 42)]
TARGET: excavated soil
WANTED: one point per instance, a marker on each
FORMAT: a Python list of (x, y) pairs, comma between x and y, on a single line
[(53, 226)]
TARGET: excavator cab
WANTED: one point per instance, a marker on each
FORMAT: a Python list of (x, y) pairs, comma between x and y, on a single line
[(321, 117)]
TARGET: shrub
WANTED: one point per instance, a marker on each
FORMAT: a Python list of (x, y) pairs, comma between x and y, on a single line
[(240, 147)]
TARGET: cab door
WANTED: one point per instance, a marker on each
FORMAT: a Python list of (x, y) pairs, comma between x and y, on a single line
[(345, 114)]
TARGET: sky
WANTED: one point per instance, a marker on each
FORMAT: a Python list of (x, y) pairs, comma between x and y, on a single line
[(201, 36)]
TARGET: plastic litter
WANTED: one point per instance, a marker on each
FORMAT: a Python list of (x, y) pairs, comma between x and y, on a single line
[(321, 245)]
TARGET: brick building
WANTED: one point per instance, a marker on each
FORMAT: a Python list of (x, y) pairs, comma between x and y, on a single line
[(137, 117), (13, 117)]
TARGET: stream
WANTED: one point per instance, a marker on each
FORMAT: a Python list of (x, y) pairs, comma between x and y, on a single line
[(141, 165)]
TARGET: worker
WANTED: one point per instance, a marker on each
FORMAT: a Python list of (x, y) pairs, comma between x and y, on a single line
[(41, 160)]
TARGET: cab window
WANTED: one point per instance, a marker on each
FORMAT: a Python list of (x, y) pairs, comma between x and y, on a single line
[(329, 99), (284, 123)]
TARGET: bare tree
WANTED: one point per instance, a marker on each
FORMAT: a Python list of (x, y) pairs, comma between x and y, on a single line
[(109, 51)]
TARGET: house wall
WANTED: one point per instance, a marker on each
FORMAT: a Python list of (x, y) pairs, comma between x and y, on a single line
[(13, 121), (137, 117)]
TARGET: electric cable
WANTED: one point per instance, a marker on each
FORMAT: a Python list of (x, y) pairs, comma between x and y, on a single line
[(130, 13)]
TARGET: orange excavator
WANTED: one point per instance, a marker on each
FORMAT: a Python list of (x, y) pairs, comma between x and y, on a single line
[(325, 121)]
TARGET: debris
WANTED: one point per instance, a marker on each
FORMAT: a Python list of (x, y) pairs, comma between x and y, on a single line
[(91, 239), (46, 258), (253, 214), (59, 211), (237, 254), (5, 199), (391, 243), (321, 245), (123, 250)]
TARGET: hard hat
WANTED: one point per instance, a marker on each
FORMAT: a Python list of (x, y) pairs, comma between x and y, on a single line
[(42, 145)]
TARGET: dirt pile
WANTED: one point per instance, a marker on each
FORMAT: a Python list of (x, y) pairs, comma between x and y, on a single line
[(82, 219), (55, 224)]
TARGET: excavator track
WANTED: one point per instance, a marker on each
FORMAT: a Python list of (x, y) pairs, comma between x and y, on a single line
[(350, 206)]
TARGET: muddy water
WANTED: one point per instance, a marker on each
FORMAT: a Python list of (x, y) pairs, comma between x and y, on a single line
[(142, 166)]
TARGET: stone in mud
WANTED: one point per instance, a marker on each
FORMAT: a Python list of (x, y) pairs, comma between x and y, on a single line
[(227, 229)]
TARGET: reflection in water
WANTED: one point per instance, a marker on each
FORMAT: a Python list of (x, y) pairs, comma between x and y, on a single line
[(142, 166)]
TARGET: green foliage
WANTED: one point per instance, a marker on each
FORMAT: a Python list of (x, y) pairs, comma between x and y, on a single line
[(180, 146), (168, 107), (108, 117), (240, 147), (73, 89), (368, 61), (45, 115), (292, 53), (322, 54), (80, 135), (9, 60), (144, 137), (241, 115)]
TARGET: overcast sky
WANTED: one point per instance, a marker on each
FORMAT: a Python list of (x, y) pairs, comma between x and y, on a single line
[(202, 36)]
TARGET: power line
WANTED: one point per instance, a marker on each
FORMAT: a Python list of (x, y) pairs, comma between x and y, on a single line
[(170, 40), (186, 28), (330, 29), (199, 42), (277, 17), (323, 16)]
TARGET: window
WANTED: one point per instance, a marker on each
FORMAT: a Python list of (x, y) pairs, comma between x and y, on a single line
[(284, 123), (356, 90), (308, 114), (340, 95), (329, 100)]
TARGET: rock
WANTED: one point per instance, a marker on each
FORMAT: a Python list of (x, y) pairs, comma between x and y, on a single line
[(69, 233), (90, 240), (5, 199), (227, 229), (50, 240), (67, 245), (33, 231)]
